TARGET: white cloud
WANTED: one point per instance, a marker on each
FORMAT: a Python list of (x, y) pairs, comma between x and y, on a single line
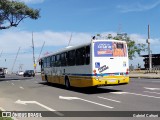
[(31, 1), (137, 7), (10, 41)]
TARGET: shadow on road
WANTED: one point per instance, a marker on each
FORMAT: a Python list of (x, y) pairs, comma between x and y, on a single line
[(17, 78), (89, 90)]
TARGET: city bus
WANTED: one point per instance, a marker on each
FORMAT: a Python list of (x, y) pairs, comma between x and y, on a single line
[(101, 62)]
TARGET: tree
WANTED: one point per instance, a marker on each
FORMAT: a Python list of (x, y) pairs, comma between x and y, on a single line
[(133, 47), (13, 12)]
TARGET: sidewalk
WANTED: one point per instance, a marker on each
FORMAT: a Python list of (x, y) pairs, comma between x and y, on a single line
[(144, 75)]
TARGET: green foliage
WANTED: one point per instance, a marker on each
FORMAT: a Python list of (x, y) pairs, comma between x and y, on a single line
[(13, 12), (133, 47)]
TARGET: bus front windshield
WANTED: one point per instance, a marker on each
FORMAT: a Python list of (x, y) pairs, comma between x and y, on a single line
[(110, 49)]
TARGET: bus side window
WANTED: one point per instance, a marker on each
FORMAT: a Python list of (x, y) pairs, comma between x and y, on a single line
[(45, 62), (80, 56), (71, 58), (63, 59), (48, 62), (87, 55), (52, 61), (58, 60)]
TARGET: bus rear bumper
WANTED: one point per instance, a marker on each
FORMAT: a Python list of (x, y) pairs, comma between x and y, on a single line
[(111, 81)]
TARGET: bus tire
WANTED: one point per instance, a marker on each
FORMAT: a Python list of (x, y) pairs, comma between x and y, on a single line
[(46, 78), (67, 83)]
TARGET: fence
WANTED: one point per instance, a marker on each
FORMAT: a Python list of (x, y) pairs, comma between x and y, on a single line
[(153, 70)]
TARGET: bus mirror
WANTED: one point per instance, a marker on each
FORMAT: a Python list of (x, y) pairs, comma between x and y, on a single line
[(40, 62)]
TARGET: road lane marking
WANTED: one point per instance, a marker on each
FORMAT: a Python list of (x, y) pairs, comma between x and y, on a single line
[(136, 94), (35, 102), (2, 109), (12, 83), (76, 98), (21, 87), (152, 88), (119, 93), (109, 99), (155, 81), (7, 81), (151, 92)]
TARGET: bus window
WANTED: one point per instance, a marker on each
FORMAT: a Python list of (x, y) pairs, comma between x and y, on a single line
[(80, 56), (52, 61), (45, 62), (87, 55), (71, 58), (63, 59), (48, 61), (58, 60)]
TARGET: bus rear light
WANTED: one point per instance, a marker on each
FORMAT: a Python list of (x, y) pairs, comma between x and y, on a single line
[(94, 71), (127, 71)]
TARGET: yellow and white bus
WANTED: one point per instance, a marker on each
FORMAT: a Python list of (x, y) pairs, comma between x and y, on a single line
[(101, 62)]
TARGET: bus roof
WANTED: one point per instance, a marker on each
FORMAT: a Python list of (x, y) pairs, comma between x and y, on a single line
[(68, 48)]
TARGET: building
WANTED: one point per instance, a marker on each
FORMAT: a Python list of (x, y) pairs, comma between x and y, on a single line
[(155, 61)]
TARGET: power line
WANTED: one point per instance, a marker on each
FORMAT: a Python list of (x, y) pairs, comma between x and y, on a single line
[(41, 50), (70, 39), (15, 59)]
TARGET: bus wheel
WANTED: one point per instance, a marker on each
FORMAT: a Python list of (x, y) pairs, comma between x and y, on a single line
[(46, 78), (67, 83)]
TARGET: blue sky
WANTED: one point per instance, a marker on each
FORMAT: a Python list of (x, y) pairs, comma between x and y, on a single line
[(82, 18)]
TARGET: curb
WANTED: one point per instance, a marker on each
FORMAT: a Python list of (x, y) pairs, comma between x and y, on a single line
[(146, 77)]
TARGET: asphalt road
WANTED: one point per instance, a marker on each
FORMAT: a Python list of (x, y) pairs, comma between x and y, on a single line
[(31, 94)]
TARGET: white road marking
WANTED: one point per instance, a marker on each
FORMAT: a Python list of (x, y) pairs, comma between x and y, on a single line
[(109, 99), (76, 98), (21, 87), (35, 81), (12, 83), (151, 92), (35, 102), (7, 81), (119, 93), (136, 94), (155, 81), (2, 109), (152, 88)]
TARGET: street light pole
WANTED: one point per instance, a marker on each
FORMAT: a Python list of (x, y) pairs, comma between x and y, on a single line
[(149, 50), (34, 62)]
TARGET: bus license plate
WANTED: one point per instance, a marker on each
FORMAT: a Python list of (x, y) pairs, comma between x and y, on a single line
[(112, 80)]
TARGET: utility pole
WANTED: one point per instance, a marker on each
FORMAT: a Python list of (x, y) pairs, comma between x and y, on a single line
[(34, 62), (149, 49), (15, 58)]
